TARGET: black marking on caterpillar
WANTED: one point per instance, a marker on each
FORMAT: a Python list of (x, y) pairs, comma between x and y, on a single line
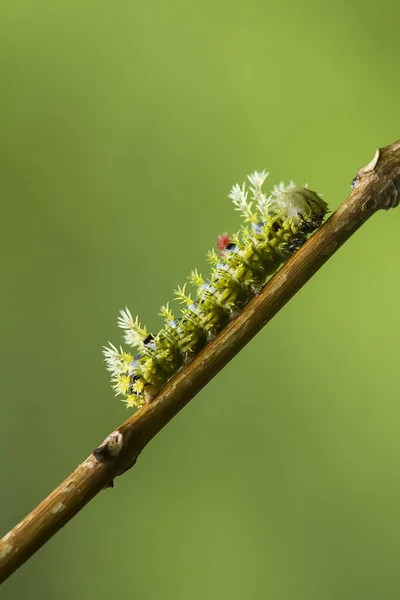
[(274, 228)]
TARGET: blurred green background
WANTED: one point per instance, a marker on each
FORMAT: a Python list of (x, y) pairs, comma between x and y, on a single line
[(124, 125)]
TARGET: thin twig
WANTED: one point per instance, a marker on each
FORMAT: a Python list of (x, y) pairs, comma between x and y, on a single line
[(377, 187)]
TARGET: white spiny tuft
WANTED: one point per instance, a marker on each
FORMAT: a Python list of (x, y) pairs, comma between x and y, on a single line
[(125, 320), (263, 205), (257, 179), (238, 195), (134, 332), (117, 360)]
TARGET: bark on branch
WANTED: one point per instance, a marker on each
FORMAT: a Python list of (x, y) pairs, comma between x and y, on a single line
[(377, 186)]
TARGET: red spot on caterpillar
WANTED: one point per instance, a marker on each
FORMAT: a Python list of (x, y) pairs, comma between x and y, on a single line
[(222, 241)]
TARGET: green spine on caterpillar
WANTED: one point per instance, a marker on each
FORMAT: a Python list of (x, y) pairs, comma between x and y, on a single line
[(274, 228)]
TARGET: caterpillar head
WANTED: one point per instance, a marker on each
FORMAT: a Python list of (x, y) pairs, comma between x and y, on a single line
[(299, 205), (316, 206)]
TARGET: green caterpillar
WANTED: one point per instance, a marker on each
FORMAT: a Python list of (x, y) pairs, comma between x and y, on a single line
[(274, 228)]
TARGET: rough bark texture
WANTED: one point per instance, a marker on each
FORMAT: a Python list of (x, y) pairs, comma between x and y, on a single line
[(377, 186)]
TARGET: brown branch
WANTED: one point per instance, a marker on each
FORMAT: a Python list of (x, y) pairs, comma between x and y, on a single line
[(377, 186)]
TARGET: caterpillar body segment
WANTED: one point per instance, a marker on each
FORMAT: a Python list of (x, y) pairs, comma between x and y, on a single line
[(272, 231)]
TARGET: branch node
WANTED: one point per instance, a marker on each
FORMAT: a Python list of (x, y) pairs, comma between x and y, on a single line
[(110, 448), (380, 169)]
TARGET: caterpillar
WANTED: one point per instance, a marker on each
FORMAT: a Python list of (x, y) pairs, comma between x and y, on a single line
[(274, 228)]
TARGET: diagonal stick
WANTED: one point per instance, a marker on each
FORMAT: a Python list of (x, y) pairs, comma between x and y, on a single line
[(377, 186)]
